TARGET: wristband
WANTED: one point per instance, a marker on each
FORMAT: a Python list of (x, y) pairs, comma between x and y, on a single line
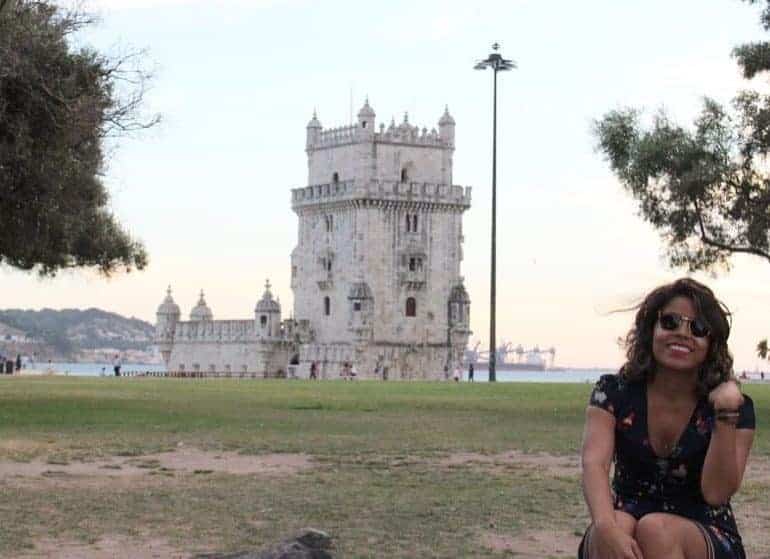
[(727, 416)]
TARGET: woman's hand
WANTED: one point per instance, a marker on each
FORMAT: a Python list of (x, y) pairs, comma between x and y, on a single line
[(613, 543), (726, 396)]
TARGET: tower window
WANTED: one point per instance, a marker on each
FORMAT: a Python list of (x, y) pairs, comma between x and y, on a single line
[(327, 306), (329, 223), (336, 178), (357, 305), (411, 307), (411, 223), (329, 265), (415, 263), (263, 321), (404, 175), (363, 124)]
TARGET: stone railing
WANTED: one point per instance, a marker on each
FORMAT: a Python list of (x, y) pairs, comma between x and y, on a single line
[(407, 134), (215, 331), (335, 136), (381, 190)]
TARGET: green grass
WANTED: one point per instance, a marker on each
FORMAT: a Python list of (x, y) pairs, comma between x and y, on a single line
[(376, 486)]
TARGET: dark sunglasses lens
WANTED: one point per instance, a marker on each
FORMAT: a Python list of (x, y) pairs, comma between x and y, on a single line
[(670, 321), (699, 328)]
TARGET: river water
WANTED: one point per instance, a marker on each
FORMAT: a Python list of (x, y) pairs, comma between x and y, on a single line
[(481, 374)]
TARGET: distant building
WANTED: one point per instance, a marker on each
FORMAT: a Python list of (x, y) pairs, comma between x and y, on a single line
[(375, 273)]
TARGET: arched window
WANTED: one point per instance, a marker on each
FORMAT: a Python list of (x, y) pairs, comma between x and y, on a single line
[(408, 223), (414, 223), (411, 307), (327, 306), (356, 305), (263, 321), (336, 178), (404, 175)]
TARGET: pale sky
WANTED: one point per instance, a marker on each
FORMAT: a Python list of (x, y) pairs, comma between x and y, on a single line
[(237, 81)]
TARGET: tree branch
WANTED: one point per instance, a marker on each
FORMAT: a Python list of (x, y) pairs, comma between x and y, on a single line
[(716, 244)]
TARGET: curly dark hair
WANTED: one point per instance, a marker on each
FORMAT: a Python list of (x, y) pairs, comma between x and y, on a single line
[(718, 366)]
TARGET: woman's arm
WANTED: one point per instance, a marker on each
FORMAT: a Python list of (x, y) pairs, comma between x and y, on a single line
[(612, 539), (598, 448), (728, 450)]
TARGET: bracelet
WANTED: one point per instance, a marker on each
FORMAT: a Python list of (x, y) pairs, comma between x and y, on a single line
[(727, 416)]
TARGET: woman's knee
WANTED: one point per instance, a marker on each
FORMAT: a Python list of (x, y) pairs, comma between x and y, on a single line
[(653, 532)]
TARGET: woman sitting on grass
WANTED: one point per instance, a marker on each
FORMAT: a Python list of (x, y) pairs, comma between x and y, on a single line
[(679, 430)]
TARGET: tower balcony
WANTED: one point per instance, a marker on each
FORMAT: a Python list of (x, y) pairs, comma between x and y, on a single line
[(381, 191), (412, 280)]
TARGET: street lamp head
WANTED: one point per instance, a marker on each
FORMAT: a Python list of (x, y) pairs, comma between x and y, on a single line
[(495, 61)]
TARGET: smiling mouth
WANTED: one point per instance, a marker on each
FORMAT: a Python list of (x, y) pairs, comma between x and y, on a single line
[(678, 348)]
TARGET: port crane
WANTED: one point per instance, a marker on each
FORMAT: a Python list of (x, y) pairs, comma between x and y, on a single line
[(507, 353)]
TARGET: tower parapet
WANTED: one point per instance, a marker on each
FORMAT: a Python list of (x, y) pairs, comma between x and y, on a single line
[(364, 131), (432, 193)]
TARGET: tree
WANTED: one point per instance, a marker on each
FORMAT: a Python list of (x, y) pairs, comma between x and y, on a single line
[(707, 190), (762, 349), (58, 105)]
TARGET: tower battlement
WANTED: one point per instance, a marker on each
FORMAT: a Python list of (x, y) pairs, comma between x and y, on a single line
[(435, 193)]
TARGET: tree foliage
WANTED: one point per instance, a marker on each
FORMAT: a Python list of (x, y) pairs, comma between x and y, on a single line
[(762, 349), (706, 189), (58, 105)]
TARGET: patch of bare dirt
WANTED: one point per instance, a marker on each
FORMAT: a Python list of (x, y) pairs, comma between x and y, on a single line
[(107, 547), (546, 463), (533, 544), (180, 461)]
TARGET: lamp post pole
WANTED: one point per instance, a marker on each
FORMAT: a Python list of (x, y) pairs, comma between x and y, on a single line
[(497, 63)]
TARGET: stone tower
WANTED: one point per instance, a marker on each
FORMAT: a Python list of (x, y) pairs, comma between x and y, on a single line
[(376, 270), (167, 317)]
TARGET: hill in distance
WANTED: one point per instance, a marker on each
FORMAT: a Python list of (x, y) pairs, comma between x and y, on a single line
[(69, 332)]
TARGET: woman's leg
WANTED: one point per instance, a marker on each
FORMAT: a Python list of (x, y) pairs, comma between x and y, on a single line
[(668, 536), (626, 522)]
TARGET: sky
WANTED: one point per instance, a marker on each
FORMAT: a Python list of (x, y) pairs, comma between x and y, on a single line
[(236, 81)]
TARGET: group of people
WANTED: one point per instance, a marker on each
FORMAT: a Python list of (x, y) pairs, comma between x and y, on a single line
[(8, 365)]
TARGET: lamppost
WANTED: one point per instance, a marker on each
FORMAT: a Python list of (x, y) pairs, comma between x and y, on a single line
[(498, 64)]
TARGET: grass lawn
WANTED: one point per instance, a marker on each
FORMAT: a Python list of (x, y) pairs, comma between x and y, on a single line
[(383, 480)]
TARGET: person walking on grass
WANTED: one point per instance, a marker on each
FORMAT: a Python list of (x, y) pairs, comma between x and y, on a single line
[(470, 372), (679, 430)]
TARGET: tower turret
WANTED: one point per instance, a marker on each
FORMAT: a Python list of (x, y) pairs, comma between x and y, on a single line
[(166, 318), (201, 311), (366, 119), (313, 131), (267, 314), (446, 128)]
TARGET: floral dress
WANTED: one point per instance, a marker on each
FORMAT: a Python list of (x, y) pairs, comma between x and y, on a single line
[(645, 482)]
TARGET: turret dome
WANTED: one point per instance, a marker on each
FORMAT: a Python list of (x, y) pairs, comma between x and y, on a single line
[(446, 118), (366, 111), (267, 304), (201, 310), (168, 307), (459, 295), (314, 122)]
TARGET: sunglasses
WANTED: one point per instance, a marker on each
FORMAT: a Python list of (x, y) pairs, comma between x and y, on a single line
[(672, 321)]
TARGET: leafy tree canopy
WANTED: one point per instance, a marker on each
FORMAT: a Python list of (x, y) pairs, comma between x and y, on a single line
[(706, 189), (58, 105)]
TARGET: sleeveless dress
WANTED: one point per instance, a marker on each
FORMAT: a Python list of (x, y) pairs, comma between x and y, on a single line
[(645, 482)]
